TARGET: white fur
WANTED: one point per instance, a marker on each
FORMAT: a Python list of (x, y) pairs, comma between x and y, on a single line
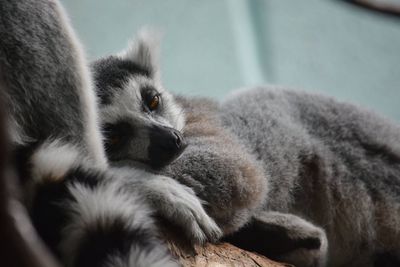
[(53, 160), (144, 50), (128, 104), (174, 112), (99, 207), (176, 202)]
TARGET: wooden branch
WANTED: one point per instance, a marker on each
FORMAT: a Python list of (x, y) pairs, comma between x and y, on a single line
[(222, 255), (211, 255)]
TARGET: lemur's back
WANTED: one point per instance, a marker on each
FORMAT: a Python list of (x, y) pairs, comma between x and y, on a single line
[(46, 80), (334, 163)]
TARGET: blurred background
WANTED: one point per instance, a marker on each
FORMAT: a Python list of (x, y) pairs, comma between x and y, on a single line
[(211, 47)]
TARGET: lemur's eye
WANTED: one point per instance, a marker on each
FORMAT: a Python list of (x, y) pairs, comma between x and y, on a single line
[(153, 104), (151, 98)]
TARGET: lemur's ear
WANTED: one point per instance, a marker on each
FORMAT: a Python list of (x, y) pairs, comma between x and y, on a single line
[(144, 50)]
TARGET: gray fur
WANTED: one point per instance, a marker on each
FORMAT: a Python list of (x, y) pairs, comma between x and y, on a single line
[(36, 67), (52, 108), (333, 163), (175, 202), (284, 237), (216, 166), (119, 81), (326, 172), (56, 138)]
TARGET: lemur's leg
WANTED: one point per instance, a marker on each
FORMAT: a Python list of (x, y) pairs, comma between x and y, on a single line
[(84, 215), (224, 177), (284, 237)]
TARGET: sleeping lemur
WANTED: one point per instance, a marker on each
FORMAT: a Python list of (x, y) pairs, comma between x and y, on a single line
[(282, 172), (88, 213)]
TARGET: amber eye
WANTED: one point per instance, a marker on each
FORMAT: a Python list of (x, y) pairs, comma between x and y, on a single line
[(154, 102), (152, 99)]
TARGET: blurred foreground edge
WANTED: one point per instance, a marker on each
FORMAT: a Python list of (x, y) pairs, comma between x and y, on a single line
[(19, 244)]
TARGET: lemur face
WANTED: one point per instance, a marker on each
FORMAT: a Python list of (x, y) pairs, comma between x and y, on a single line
[(141, 122)]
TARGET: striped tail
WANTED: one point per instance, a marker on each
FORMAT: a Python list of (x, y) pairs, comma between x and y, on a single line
[(85, 217)]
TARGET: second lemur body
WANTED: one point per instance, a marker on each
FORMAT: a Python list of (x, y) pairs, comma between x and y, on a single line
[(331, 163), (299, 177)]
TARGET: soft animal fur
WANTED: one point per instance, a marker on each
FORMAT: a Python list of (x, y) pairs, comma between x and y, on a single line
[(299, 177), (226, 173), (332, 163), (139, 136), (136, 133), (87, 213), (215, 164)]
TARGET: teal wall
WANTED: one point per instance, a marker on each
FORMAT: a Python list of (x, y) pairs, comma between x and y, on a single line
[(213, 46)]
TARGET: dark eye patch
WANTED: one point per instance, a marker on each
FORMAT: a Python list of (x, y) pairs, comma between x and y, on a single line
[(117, 134)]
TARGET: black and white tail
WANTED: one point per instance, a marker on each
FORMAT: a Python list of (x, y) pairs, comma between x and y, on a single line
[(75, 203), (85, 216)]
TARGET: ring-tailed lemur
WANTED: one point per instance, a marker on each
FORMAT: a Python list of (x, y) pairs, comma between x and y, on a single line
[(142, 126), (284, 171), (136, 109), (87, 213)]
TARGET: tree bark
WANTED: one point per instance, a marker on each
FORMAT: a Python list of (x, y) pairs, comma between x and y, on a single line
[(221, 255), (211, 255)]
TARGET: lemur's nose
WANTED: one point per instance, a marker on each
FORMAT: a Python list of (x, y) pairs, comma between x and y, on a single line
[(166, 144), (179, 140), (172, 142)]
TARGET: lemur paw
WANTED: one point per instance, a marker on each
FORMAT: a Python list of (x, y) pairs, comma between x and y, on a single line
[(284, 237), (180, 205)]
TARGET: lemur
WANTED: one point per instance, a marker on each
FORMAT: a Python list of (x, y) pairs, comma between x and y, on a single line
[(88, 213), (282, 172)]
